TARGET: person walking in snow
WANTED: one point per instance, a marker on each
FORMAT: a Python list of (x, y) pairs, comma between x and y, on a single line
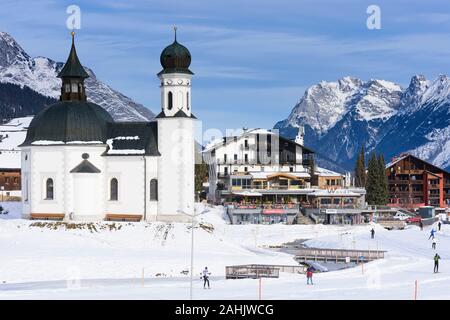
[(436, 263), (309, 275), (421, 225), (431, 234), (372, 233), (433, 244), (439, 225), (205, 276)]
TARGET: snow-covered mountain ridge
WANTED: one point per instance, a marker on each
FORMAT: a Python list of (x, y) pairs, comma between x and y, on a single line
[(40, 75), (339, 117)]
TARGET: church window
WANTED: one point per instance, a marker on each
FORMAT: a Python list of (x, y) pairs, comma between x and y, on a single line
[(154, 190), (170, 100), (187, 100), (49, 192), (114, 190)]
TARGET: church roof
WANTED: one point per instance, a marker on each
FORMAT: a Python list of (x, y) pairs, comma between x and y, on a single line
[(85, 167), (133, 138), (73, 67), (179, 114), (175, 58), (69, 122)]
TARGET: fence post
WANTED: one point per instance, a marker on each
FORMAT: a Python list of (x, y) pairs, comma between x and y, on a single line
[(415, 290), (260, 288)]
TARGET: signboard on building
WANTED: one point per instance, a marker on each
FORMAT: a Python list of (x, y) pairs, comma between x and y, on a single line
[(273, 211)]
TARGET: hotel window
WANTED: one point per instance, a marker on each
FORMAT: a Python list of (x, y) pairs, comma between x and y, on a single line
[(49, 189), (225, 171), (246, 158), (224, 158), (170, 100), (154, 190), (114, 190)]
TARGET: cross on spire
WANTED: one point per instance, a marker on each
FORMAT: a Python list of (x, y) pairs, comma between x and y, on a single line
[(175, 31)]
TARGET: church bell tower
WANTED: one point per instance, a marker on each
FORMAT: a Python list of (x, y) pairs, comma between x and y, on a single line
[(176, 127)]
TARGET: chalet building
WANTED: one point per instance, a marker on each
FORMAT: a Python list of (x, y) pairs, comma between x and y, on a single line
[(9, 179), (262, 177), (413, 182)]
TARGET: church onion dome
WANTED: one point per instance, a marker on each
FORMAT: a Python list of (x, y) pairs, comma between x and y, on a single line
[(69, 122), (175, 58), (73, 67)]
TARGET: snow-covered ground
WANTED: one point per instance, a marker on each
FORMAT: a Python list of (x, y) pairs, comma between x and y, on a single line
[(42, 263)]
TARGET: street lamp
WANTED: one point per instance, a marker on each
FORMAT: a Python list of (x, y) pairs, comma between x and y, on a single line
[(193, 216)]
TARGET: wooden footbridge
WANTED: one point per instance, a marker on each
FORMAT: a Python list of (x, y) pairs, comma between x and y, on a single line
[(335, 255)]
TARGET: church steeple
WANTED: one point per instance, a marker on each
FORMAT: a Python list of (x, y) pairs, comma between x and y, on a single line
[(73, 75)]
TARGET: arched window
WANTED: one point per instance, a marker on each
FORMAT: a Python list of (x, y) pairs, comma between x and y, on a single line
[(187, 100), (49, 189), (114, 190), (170, 100), (154, 190)]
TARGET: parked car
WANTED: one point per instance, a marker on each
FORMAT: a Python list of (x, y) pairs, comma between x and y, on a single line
[(415, 219), (401, 216)]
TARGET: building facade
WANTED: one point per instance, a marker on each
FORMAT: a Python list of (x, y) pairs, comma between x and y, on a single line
[(262, 177), (413, 182), (78, 163)]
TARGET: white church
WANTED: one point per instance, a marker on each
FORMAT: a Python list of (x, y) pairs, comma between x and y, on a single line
[(79, 164)]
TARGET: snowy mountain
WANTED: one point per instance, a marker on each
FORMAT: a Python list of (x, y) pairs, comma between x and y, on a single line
[(339, 117), (39, 74)]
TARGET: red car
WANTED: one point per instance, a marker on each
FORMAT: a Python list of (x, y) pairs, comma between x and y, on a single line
[(415, 219)]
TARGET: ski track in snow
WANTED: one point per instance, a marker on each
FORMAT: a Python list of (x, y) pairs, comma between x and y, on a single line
[(37, 262)]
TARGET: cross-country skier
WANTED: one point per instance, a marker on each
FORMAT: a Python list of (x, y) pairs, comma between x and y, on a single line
[(309, 275), (433, 244), (372, 233), (431, 234), (205, 276), (436, 263)]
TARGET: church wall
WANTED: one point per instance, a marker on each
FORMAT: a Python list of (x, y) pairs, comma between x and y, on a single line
[(176, 168), (129, 171), (152, 173)]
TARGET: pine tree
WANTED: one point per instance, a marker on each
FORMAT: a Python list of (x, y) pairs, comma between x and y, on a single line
[(363, 167), (372, 185), (383, 184), (201, 175), (360, 169)]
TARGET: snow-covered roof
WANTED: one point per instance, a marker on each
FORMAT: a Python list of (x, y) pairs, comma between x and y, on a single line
[(113, 150), (265, 174), (10, 159), (395, 160), (322, 172), (217, 142), (12, 134)]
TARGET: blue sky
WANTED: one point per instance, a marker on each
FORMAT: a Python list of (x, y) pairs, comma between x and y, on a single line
[(252, 59)]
